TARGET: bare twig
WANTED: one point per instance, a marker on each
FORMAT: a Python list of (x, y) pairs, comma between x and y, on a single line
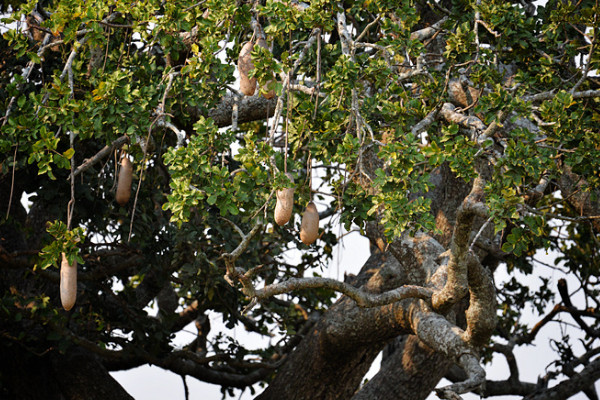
[(279, 106), (588, 65), (26, 73), (230, 258), (369, 26), (12, 181)]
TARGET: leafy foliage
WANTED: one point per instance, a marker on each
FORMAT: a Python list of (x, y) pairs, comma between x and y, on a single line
[(155, 75)]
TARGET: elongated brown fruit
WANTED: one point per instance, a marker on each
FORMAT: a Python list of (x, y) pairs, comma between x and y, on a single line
[(245, 65), (309, 229), (285, 204), (68, 283), (124, 184), (271, 93)]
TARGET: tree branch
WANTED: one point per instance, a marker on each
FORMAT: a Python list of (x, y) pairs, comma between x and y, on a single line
[(456, 285), (586, 94), (566, 389), (439, 334), (469, 122), (362, 298), (481, 314), (428, 32), (102, 153), (563, 290)]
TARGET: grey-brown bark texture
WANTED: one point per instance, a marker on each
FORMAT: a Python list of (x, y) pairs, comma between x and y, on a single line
[(490, 158), (347, 338)]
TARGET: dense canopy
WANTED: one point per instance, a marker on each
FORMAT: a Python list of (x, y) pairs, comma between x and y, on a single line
[(151, 142)]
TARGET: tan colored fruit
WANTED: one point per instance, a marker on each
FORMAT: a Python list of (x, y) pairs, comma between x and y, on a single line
[(247, 85), (285, 204), (309, 229), (271, 93), (124, 184), (68, 283)]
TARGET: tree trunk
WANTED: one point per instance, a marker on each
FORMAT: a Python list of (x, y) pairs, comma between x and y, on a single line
[(76, 375)]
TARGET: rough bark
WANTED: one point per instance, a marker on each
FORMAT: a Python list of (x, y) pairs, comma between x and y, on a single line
[(323, 367), (401, 375)]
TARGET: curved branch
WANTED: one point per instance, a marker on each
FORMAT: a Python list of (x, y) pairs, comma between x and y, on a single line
[(481, 314), (563, 290), (99, 155), (439, 334), (456, 285), (469, 122), (362, 298), (578, 382)]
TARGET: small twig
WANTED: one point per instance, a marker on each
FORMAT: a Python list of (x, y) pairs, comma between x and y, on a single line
[(195, 5), (364, 32), (186, 391), (485, 224), (557, 216), (318, 77), (476, 29), (588, 65), (237, 228), (266, 203), (279, 106), (487, 27), (25, 75), (12, 182), (67, 68)]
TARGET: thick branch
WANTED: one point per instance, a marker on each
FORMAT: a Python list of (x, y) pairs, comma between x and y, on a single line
[(566, 389), (551, 94), (428, 32), (250, 108), (564, 295), (481, 314), (102, 153), (466, 121), (495, 388), (362, 298), (441, 335), (456, 285)]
